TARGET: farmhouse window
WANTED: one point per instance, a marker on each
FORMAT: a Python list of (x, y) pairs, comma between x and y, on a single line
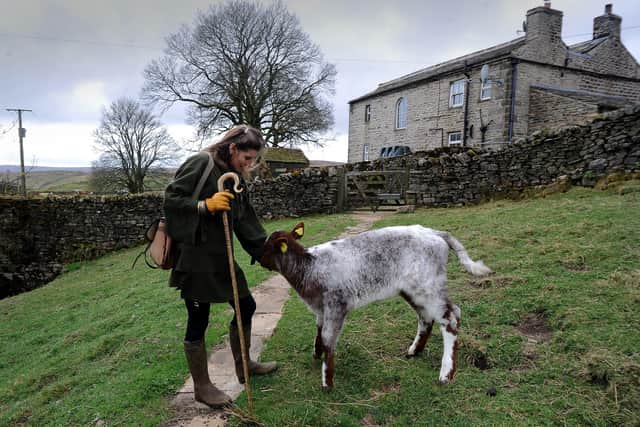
[(367, 112), (365, 153), (485, 90), (455, 138), (457, 93), (401, 113)]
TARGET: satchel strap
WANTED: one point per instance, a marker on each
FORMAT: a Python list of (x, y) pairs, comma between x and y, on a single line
[(154, 226), (205, 176), (151, 231)]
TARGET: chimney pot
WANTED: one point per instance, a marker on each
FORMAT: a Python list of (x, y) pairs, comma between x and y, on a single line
[(547, 4), (607, 24)]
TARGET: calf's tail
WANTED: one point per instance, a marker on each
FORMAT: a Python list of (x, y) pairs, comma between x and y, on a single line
[(476, 268)]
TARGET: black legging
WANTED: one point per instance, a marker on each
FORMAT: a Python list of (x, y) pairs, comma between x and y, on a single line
[(198, 319)]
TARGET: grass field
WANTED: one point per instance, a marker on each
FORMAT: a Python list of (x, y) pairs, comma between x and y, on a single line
[(58, 181), (103, 343), (550, 339)]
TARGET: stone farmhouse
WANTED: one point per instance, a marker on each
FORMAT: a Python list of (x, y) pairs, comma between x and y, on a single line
[(497, 95)]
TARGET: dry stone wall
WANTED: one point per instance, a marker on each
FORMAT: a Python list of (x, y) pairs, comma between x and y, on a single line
[(39, 236), (458, 176)]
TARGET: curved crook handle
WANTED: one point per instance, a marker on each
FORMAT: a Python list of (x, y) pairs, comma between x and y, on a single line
[(236, 182)]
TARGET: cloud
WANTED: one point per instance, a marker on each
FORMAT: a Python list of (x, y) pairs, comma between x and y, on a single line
[(334, 150), (50, 144), (87, 97), (67, 59)]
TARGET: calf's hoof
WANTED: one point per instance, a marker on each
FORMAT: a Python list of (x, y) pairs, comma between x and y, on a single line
[(445, 380)]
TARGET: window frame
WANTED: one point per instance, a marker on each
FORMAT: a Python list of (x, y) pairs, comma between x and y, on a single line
[(367, 113), (460, 94), (486, 86), (456, 142), (401, 114), (365, 153)]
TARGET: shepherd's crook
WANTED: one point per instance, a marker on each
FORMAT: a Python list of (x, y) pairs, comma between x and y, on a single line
[(234, 284)]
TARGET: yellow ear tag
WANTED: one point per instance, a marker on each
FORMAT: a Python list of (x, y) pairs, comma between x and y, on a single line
[(283, 247), (299, 231)]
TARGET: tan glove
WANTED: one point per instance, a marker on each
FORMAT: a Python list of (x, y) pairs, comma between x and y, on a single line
[(219, 201)]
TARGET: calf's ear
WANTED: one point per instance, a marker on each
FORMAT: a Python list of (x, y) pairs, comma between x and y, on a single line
[(298, 231), (281, 242)]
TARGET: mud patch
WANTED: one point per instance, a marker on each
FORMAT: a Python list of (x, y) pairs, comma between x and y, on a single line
[(534, 325), (475, 354), (575, 264), (368, 421), (536, 330)]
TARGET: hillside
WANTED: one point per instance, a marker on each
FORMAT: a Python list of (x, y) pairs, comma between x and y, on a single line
[(64, 179)]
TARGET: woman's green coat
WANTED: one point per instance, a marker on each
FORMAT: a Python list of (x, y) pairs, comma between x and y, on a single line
[(202, 268)]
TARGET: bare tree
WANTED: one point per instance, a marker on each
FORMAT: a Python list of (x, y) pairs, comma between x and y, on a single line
[(244, 62), (9, 184), (133, 143)]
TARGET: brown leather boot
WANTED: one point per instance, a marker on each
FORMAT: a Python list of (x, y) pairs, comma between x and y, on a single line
[(204, 390), (255, 368)]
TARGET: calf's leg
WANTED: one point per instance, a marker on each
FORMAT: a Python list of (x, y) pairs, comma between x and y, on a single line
[(425, 325), (331, 328), (449, 328), (319, 346)]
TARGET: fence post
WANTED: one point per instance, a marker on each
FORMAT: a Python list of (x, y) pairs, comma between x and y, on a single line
[(342, 185)]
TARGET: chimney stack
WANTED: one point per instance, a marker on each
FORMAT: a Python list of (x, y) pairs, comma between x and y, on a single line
[(607, 24), (544, 25)]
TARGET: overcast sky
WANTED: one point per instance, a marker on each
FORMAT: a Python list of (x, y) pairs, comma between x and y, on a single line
[(68, 59)]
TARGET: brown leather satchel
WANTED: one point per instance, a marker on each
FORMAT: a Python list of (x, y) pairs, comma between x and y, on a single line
[(160, 245), (161, 248)]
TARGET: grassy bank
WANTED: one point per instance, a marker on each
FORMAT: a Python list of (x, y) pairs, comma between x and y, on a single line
[(550, 339), (102, 344)]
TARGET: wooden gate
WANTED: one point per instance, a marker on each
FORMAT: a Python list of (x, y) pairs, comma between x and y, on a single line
[(377, 188)]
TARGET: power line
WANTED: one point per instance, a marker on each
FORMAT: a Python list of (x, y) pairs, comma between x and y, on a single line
[(9, 129), (590, 34), (78, 41), (153, 47)]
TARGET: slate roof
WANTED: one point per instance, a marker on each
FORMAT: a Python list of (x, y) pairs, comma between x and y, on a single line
[(586, 46), (475, 58), (479, 57)]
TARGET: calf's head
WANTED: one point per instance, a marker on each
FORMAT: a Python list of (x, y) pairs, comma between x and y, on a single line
[(279, 244)]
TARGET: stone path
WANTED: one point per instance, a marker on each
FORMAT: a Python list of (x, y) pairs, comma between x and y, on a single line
[(270, 297)]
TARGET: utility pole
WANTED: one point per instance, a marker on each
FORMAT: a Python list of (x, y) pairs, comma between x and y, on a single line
[(21, 134)]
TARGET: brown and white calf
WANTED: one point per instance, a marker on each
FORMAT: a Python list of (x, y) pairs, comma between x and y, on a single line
[(335, 277)]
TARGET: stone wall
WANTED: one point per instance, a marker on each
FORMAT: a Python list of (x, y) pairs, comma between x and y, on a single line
[(38, 236), (453, 176), (311, 191)]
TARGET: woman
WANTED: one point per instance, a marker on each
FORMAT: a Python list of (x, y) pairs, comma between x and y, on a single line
[(201, 271)]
